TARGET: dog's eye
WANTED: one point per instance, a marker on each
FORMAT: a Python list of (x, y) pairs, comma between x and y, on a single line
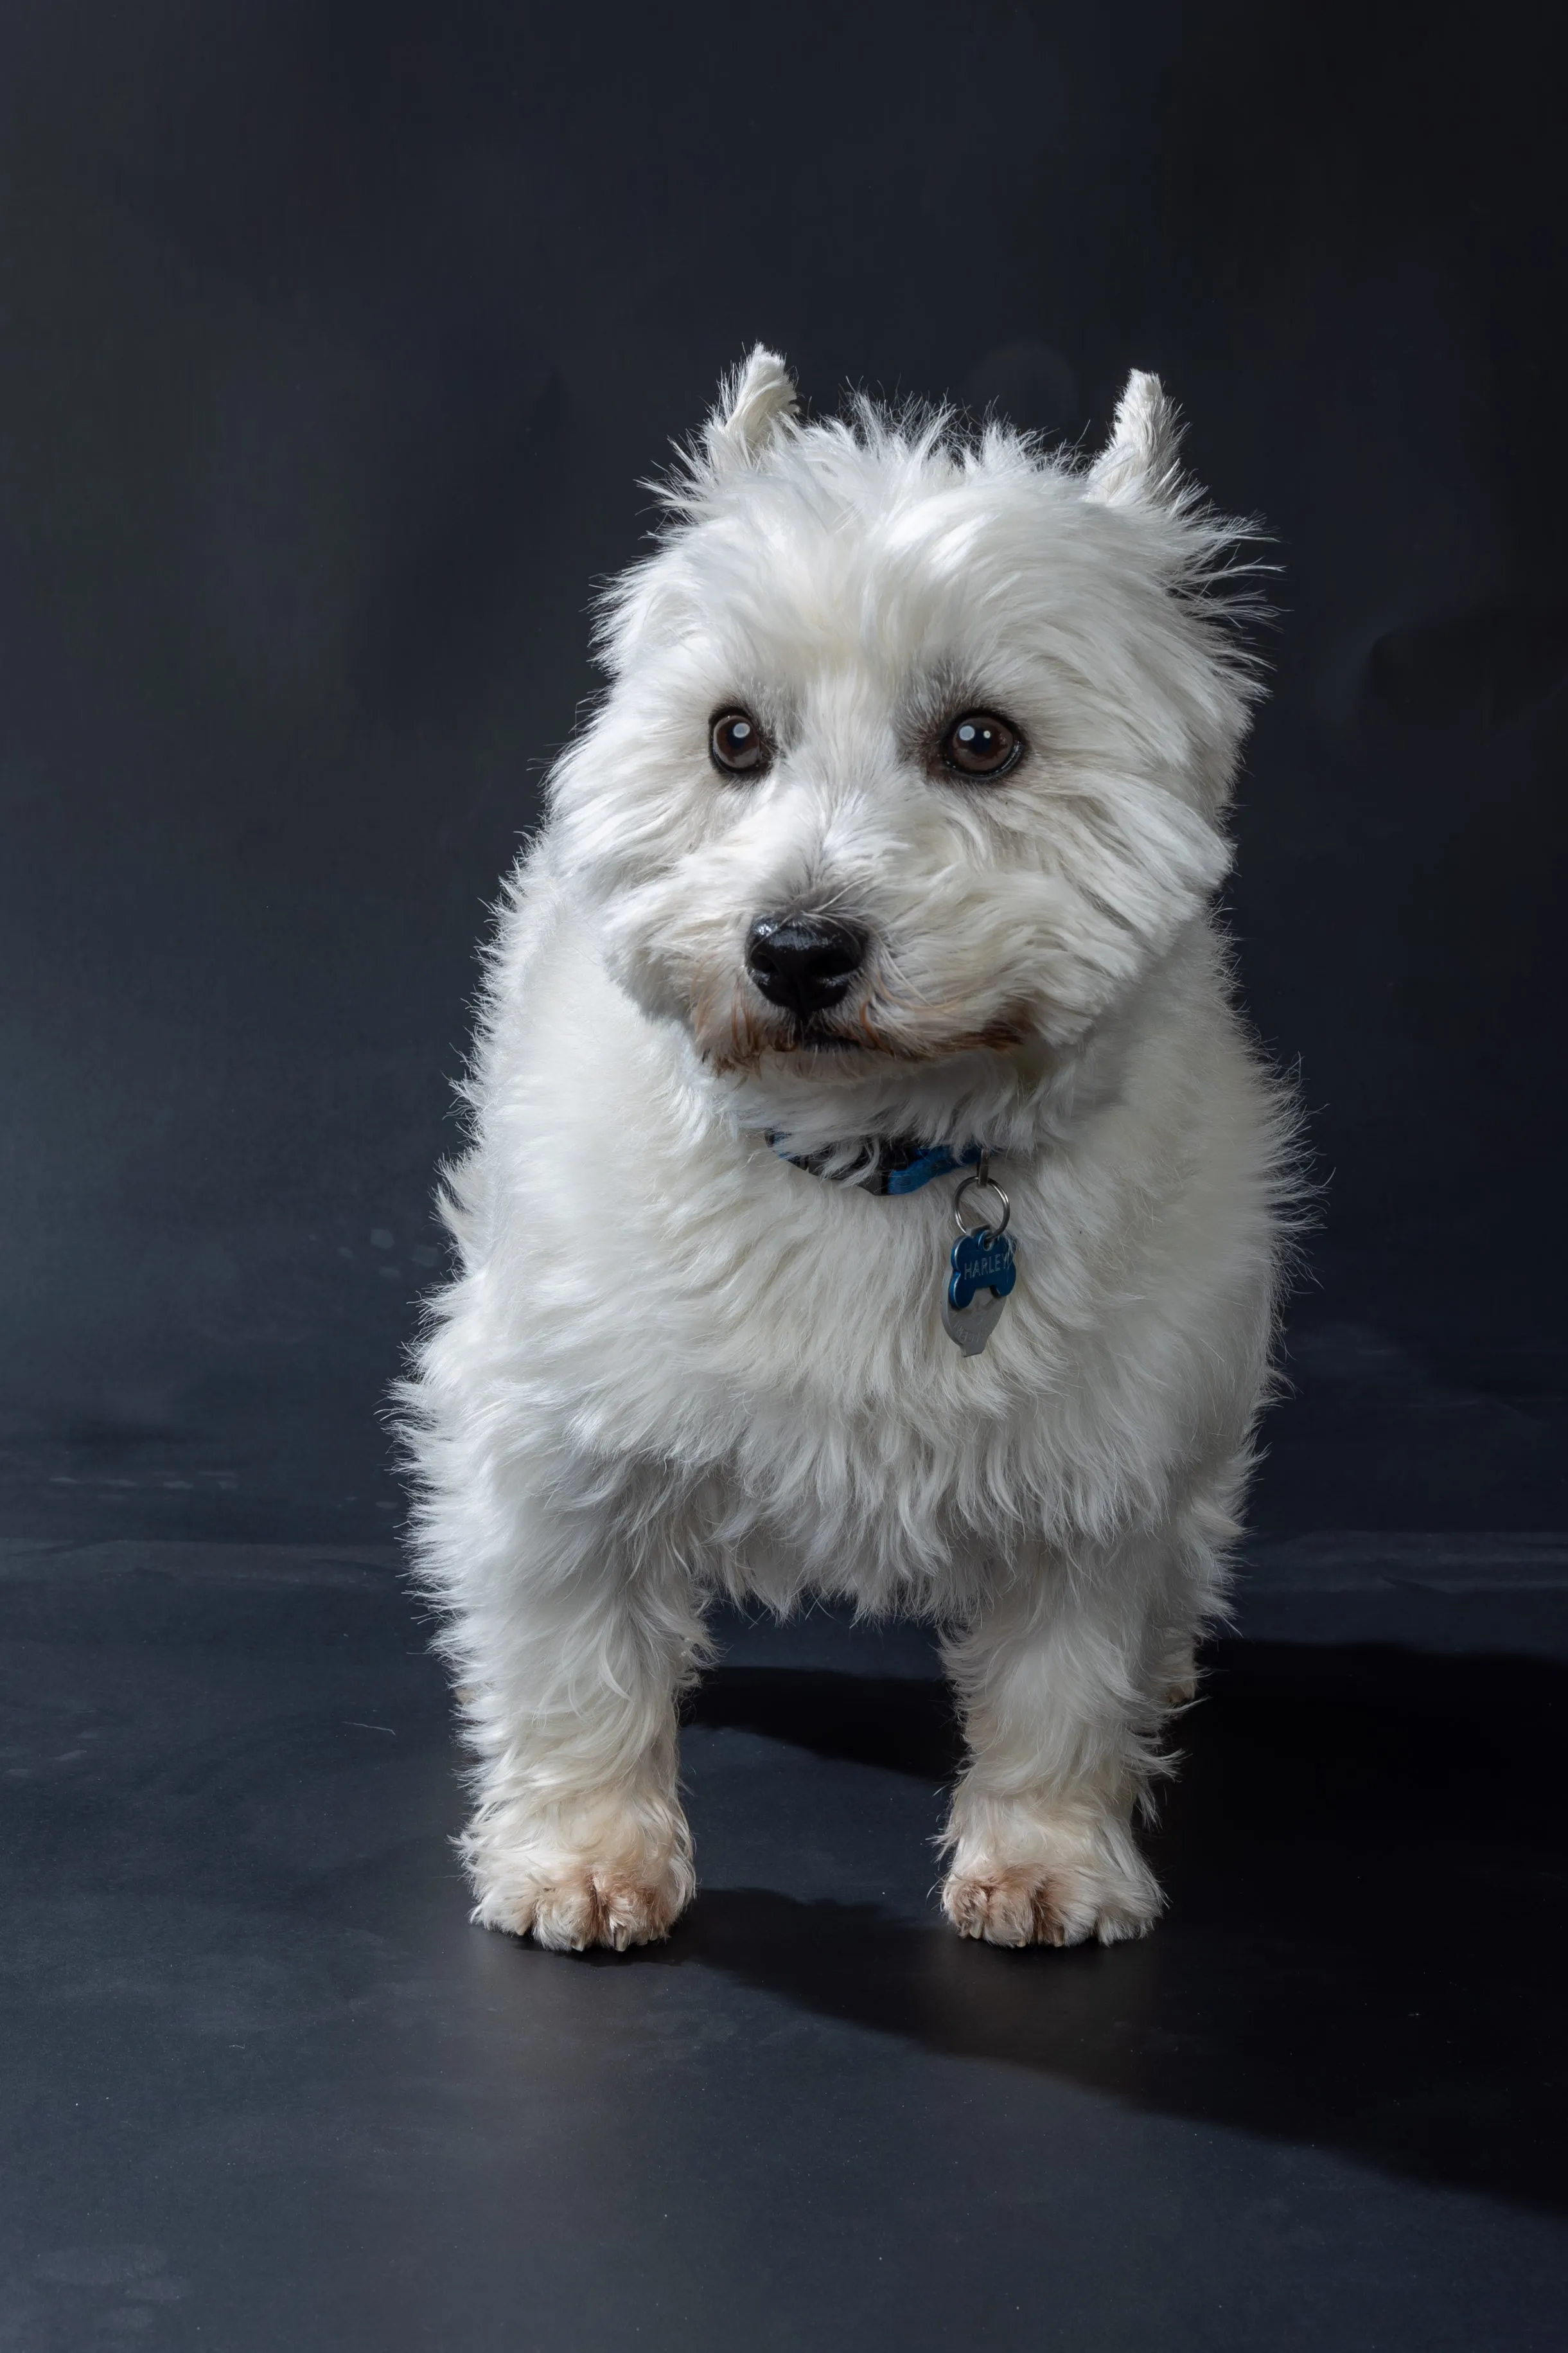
[(736, 743), (980, 744)]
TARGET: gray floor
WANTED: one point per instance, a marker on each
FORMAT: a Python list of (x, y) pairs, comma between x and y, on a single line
[(265, 2088)]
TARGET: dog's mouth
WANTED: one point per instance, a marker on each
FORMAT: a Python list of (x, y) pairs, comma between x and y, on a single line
[(810, 1038), (814, 1038), (745, 1036)]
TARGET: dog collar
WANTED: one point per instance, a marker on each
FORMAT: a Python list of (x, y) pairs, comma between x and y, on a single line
[(889, 1164)]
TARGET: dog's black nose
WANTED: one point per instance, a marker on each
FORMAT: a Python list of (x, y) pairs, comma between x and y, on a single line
[(804, 962)]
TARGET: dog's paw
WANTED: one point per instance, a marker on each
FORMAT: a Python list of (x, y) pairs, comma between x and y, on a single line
[(586, 1904), (1074, 1884), (618, 1877)]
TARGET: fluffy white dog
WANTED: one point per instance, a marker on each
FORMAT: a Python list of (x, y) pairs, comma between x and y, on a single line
[(895, 840)]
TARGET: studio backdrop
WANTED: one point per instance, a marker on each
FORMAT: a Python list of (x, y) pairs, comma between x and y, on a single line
[(334, 342)]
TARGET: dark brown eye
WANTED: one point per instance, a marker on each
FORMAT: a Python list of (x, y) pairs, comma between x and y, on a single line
[(978, 744), (736, 743)]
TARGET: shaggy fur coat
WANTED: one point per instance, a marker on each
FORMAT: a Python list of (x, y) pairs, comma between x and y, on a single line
[(676, 1364)]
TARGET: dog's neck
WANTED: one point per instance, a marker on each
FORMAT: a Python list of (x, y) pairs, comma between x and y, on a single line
[(881, 1164), (893, 1135)]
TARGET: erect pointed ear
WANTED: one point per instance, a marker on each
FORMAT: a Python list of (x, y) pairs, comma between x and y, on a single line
[(1138, 464), (755, 406)]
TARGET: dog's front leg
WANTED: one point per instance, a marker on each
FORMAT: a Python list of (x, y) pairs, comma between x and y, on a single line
[(1062, 1703), (571, 1656)]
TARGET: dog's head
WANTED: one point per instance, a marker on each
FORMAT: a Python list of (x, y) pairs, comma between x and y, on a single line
[(914, 754)]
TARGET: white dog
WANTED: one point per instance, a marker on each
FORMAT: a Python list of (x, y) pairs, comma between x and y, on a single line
[(893, 842)]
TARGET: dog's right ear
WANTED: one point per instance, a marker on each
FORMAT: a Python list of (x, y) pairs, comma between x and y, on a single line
[(1139, 465), (756, 404)]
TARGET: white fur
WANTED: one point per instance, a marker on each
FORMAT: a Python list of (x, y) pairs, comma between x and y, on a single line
[(673, 1364)]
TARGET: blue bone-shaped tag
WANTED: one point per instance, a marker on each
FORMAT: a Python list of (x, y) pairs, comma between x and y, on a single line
[(981, 1261)]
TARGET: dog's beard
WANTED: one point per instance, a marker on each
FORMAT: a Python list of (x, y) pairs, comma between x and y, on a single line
[(736, 1031)]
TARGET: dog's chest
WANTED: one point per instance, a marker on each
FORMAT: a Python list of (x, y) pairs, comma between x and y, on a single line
[(760, 1296)]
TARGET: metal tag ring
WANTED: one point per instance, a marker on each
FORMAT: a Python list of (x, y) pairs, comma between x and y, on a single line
[(988, 1185)]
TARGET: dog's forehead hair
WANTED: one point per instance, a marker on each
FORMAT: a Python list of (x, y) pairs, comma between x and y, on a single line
[(928, 579), (893, 580)]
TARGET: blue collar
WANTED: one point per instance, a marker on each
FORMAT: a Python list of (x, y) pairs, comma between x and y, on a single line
[(898, 1163)]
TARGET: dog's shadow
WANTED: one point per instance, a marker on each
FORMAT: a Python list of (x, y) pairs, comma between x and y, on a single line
[(1364, 1948), (902, 1722)]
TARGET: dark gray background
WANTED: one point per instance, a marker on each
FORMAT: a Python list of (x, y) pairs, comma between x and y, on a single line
[(334, 339)]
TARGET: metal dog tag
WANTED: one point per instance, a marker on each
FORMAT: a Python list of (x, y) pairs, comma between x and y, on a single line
[(984, 1272)]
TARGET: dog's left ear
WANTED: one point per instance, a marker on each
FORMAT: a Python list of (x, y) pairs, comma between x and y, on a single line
[(756, 404), (1139, 465)]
